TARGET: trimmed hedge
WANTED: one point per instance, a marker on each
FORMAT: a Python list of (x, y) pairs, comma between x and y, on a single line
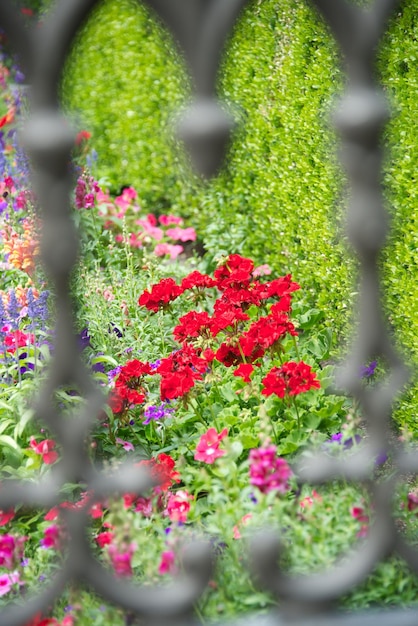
[(280, 199)]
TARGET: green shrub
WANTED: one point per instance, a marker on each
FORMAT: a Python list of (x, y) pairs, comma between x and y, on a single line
[(280, 199)]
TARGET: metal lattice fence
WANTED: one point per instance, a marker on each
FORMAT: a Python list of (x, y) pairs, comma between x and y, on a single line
[(201, 28)]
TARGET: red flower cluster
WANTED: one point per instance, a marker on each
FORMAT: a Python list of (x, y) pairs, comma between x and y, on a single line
[(179, 372), (162, 470), (290, 379), (128, 389), (160, 295), (193, 324), (240, 344), (198, 281)]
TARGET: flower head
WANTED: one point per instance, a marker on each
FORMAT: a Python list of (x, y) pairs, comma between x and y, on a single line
[(160, 295), (46, 449), (269, 472), (178, 506), (207, 450), (291, 379)]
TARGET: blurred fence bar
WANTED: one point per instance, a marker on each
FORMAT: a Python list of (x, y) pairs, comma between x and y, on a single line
[(201, 28)]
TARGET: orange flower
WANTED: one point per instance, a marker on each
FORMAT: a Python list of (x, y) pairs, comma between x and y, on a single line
[(22, 249)]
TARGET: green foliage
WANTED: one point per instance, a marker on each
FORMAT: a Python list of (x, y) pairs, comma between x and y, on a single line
[(279, 200), (122, 83)]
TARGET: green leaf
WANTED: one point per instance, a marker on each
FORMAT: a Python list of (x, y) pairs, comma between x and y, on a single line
[(9, 442)]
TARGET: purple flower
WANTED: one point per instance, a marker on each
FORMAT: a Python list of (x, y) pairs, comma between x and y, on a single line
[(116, 330), (25, 366), (347, 443), (156, 413), (98, 367), (113, 373), (19, 77), (3, 316), (37, 308), (368, 370), (13, 309), (84, 339)]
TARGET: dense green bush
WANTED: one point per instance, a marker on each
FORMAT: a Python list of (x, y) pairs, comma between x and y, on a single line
[(281, 195)]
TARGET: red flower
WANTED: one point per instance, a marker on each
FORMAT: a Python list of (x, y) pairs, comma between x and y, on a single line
[(83, 135), (38, 620), (235, 272), (162, 470), (290, 379), (45, 448), (196, 279), (192, 324), (6, 517), (160, 295), (179, 372), (134, 369), (264, 333), (229, 354), (207, 450), (278, 288), (244, 370), (226, 314), (128, 386), (18, 339), (359, 514)]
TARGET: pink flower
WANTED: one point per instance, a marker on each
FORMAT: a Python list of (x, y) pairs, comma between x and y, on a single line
[(144, 506), (167, 248), (178, 506), (125, 444), (207, 450), (167, 563), (413, 500), (7, 581), (269, 472), (7, 550), (105, 538), (96, 510), (122, 559), (262, 270), (51, 537), (45, 448), (165, 220), (181, 234), (153, 231), (360, 514), (243, 522), (309, 500)]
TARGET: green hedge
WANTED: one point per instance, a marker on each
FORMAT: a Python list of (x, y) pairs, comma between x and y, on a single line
[(280, 199)]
